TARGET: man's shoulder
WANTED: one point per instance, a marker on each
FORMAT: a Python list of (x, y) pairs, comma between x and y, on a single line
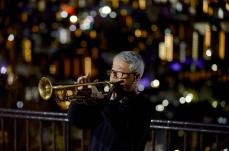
[(144, 97)]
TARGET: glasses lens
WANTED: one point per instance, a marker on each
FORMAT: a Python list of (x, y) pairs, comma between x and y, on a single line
[(119, 74)]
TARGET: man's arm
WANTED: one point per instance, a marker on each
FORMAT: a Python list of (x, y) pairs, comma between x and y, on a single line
[(84, 115)]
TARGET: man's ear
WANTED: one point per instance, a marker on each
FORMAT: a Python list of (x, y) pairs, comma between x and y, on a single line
[(137, 76)]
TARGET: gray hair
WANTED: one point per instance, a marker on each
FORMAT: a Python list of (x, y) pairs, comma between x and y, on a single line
[(133, 59)]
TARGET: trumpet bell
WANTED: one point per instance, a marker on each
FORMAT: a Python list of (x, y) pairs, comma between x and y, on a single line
[(45, 88)]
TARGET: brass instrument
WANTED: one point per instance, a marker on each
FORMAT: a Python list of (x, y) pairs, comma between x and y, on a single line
[(46, 88)]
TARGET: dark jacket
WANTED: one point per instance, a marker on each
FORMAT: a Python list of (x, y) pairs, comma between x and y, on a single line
[(115, 126)]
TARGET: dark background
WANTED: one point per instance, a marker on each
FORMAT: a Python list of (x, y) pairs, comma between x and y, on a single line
[(30, 47)]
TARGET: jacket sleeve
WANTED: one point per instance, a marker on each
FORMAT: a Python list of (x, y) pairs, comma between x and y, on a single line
[(84, 115)]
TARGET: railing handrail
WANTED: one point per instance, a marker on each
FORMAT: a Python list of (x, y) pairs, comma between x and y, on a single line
[(29, 114), (169, 122), (33, 112), (189, 126)]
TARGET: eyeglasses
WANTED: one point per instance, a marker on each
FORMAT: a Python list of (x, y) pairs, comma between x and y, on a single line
[(120, 74)]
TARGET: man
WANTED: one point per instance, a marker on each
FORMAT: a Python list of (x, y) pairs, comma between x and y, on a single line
[(121, 121)]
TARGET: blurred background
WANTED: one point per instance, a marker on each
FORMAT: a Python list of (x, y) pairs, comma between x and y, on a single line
[(184, 44)]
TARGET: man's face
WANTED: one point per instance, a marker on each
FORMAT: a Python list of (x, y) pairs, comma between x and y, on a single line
[(121, 72)]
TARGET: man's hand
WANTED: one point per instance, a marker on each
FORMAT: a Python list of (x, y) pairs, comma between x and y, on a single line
[(95, 93)]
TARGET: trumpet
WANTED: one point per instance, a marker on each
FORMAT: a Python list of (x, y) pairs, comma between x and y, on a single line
[(46, 89)]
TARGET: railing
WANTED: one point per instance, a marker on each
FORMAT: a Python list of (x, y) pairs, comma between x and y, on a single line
[(33, 130), (43, 131), (188, 136)]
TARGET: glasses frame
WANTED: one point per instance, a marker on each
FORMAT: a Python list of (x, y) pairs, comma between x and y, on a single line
[(123, 75)]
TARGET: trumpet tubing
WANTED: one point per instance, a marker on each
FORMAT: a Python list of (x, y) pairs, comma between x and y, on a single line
[(46, 88)]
